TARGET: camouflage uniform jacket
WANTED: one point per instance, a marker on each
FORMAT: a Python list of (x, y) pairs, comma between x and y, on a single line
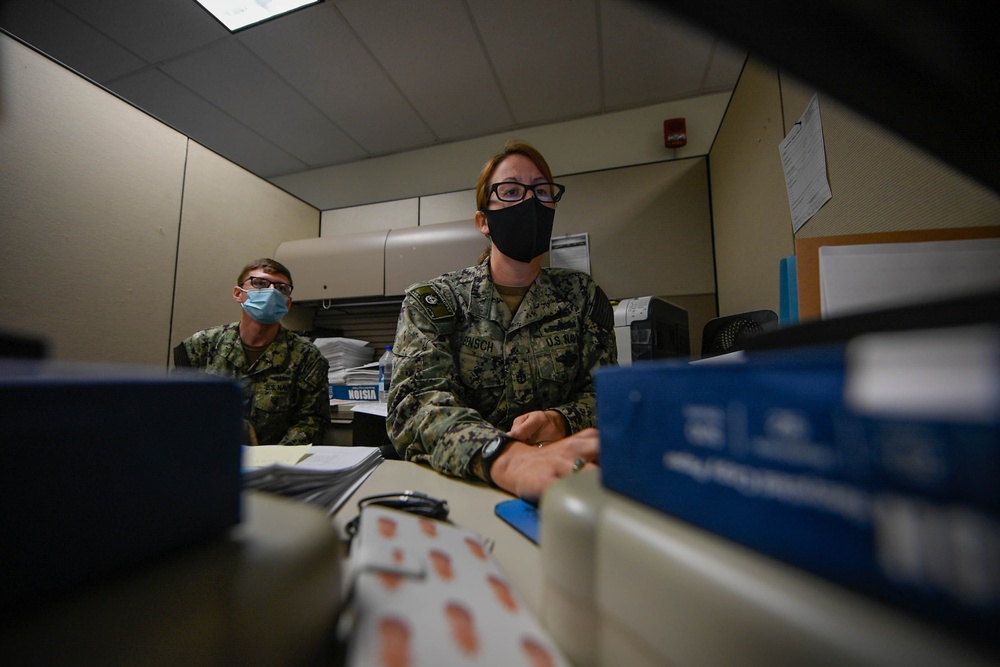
[(464, 368), (286, 391)]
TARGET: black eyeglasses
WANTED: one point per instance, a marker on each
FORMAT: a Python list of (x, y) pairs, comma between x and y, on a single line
[(257, 282), (408, 501), (549, 193)]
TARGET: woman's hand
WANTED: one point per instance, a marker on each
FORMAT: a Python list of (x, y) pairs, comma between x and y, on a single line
[(527, 471), (538, 427)]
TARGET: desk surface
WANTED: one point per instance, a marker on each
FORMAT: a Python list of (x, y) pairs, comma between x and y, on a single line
[(264, 593), (472, 508)]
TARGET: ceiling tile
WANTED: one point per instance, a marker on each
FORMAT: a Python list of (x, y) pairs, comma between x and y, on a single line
[(431, 51), (318, 54), (544, 54), (724, 68), (649, 58), (67, 39), (175, 105), (348, 80), (155, 30), (229, 76)]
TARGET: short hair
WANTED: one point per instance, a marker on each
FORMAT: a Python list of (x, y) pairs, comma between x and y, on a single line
[(513, 147), (267, 265)]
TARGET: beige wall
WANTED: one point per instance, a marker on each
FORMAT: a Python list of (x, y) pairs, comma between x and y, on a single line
[(649, 228), (650, 233), (752, 225), (100, 202), (607, 141), (229, 217), (879, 183), (882, 183)]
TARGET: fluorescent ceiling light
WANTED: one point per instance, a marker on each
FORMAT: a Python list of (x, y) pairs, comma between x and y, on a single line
[(238, 14)]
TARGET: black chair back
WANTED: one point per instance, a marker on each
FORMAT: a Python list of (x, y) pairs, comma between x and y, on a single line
[(729, 333)]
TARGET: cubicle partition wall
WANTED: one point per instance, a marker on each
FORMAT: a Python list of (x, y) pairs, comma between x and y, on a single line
[(879, 183), (119, 235), (648, 226)]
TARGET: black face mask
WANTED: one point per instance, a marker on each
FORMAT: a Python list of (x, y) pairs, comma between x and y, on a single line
[(523, 231)]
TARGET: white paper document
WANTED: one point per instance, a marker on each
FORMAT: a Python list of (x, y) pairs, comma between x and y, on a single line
[(377, 408), (949, 374), (570, 252), (856, 278), (803, 159), (260, 456), (307, 457), (324, 476)]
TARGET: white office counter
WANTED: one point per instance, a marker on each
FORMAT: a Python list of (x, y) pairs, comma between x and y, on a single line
[(625, 584)]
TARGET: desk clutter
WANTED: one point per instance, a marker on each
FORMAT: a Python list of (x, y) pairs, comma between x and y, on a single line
[(317, 475), (354, 369), (343, 354), (426, 592), (873, 464)]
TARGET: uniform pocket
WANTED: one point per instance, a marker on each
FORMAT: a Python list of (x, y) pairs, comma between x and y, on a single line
[(480, 364), (557, 363), (273, 397)]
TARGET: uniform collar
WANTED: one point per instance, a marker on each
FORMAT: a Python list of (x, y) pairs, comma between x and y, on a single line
[(541, 302), (237, 357)]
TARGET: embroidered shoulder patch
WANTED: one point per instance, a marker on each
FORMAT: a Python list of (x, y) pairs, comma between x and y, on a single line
[(432, 303), (601, 311)]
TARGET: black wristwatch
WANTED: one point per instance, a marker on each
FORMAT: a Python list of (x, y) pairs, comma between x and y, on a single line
[(491, 451)]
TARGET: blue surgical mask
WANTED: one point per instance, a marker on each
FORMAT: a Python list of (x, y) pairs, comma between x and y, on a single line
[(266, 306)]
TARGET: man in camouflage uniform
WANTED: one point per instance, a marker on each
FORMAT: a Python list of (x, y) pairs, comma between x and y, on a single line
[(504, 349), (285, 377)]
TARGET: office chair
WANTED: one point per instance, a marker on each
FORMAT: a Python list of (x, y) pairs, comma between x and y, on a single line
[(729, 333)]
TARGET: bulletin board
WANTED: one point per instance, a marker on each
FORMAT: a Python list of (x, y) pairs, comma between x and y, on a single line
[(807, 256)]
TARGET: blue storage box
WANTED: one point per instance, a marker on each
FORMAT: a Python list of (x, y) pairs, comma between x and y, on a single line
[(767, 453), (108, 466)]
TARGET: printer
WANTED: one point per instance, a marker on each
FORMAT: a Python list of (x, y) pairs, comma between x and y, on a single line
[(647, 327)]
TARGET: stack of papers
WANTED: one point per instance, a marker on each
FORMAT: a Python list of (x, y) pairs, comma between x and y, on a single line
[(322, 476), (344, 354), (367, 374)]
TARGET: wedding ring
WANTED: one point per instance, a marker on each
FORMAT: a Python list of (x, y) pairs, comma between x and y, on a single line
[(578, 464)]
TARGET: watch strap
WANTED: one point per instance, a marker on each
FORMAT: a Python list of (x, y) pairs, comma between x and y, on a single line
[(487, 461)]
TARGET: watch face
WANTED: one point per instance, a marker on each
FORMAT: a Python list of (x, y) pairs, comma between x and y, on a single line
[(491, 448)]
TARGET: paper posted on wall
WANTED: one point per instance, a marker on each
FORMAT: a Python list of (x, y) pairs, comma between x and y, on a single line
[(803, 158), (570, 252)]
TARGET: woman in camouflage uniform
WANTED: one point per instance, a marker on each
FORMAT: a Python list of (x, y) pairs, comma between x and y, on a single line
[(492, 375)]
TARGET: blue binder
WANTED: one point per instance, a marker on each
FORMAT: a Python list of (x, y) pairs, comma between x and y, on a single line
[(767, 454), (789, 302)]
